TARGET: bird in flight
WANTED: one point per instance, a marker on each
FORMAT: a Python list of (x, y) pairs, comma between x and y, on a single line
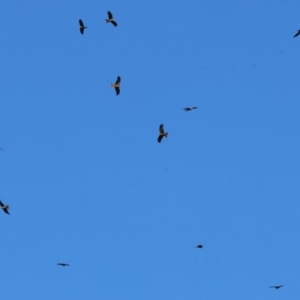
[(4, 207), (199, 246), (161, 133), (116, 86), (81, 27), (189, 108), (63, 264), (298, 32), (111, 19), (276, 286)]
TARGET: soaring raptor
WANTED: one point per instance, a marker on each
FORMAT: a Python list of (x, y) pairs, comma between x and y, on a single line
[(116, 85), (111, 19), (4, 207), (190, 108), (63, 264), (276, 286), (161, 133), (81, 27)]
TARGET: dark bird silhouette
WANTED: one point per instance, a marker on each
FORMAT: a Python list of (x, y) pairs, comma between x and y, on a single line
[(63, 264), (111, 19), (298, 32), (4, 207), (81, 27), (276, 286), (116, 86), (199, 246), (161, 133), (189, 108)]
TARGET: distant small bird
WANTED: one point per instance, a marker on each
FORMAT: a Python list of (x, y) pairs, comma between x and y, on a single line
[(161, 133), (111, 19), (199, 246), (81, 27), (298, 32), (63, 264), (116, 86), (189, 108), (4, 207), (276, 286)]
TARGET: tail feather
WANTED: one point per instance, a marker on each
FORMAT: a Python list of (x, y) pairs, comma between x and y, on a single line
[(166, 134)]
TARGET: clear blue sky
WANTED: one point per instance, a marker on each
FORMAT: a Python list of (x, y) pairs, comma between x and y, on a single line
[(89, 185)]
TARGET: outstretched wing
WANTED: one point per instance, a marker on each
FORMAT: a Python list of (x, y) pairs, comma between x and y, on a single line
[(117, 90), (297, 34), (110, 16), (160, 138), (118, 80), (114, 23), (161, 128), (6, 210), (187, 109), (1, 204), (81, 26), (194, 107)]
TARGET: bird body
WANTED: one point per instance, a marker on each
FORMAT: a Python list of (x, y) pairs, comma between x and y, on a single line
[(4, 207), (81, 27), (298, 32), (190, 108), (162, 133), (111, 19), (116, 85)]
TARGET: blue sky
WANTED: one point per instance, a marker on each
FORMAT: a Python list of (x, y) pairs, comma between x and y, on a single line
[(89, 185)]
